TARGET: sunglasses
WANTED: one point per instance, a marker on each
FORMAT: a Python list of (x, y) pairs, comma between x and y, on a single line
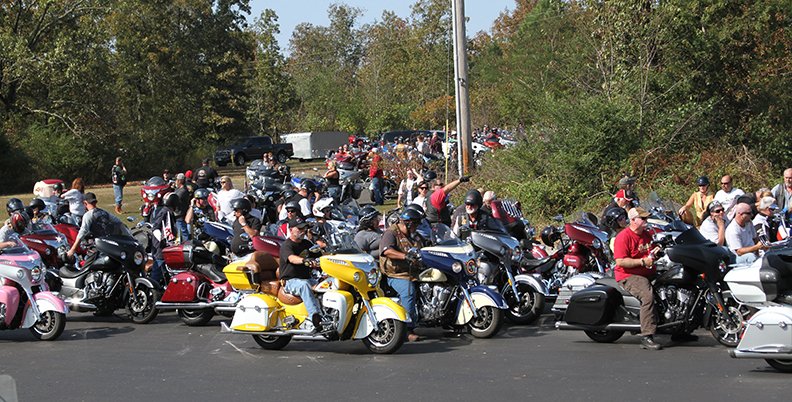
[(643, 218), (717, 211), (723, 184), (223, 182), (745, 213), (423, 188), (291, 211)]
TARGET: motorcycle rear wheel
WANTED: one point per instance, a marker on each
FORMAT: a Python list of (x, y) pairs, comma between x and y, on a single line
[(195, 318), (784, 366), (143, 311), (603, 336), (272, 342), (528, 308), (49, 326), (387, 338), (488, 322)]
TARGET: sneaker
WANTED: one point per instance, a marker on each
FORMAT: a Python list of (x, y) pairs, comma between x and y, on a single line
[(648, 342), (681, 338)]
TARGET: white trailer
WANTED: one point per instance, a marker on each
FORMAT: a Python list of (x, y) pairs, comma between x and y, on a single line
[(314, 144)]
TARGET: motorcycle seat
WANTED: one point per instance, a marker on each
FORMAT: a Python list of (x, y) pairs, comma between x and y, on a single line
[(211, 272), (287, 298), (543, 264), (608, 281), (67, 272)]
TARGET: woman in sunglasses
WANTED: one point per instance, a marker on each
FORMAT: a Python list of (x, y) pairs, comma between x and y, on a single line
[(713, 226), (693, 211)]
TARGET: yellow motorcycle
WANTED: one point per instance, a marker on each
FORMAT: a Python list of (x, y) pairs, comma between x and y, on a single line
[(352, 304)]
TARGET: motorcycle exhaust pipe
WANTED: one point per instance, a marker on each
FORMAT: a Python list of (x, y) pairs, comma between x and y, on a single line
[(218, 306), (80, 306), (563, 325)]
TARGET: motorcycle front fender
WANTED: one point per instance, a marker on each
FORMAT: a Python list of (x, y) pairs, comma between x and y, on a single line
[(481, 296), (45, 301), (383, 308), (532, 281), (148, 283)]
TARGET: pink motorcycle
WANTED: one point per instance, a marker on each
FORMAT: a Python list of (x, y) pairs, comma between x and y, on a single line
[(25, 301)]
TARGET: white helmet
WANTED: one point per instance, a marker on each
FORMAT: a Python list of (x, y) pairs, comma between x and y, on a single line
[(320, 205)]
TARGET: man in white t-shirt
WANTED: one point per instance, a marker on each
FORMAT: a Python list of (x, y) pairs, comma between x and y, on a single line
[(727, 195), (227, 194), (741, 236)]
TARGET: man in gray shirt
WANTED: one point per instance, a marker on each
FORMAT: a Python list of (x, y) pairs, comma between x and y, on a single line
[(97, 222), (741, 235)]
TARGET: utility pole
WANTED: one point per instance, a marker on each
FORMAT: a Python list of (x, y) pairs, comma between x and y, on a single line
[(464, 135)]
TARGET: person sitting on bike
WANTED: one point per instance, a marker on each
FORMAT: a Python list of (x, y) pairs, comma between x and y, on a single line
[(38, 212), (474, 216), (295, 269), (244, 223), (205, 175), (332, 177), (369, 233), (397, 262), (97, 223), (437, 208), (14, 205), (634, 270), (199, 205), (293, 210), (165, 233), (16, 225)]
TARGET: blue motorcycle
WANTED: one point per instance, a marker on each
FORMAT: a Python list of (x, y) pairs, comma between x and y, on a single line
[(448, 292), (215, 235)]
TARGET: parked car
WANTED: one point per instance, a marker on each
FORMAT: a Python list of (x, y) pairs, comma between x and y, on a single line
[(249, 148), (315, 144)]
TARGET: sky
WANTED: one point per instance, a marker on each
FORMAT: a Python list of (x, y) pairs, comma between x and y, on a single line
[(480, 13)]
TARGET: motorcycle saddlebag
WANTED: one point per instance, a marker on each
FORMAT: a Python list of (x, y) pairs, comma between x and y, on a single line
[(594, 306), (768, 331), (255, 313), (183, 288), (178, 256)]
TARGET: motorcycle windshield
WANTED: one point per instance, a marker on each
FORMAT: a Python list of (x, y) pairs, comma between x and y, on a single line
[(691, 236), (41, 228), (341, 241), (442, 235), (18, 247), (587, 222)]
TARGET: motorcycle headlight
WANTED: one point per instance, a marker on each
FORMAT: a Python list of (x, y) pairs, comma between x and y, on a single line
[(123, 255), (596, 244), (516, 254), (373, 277), (356, 277), (457, 267), (36, 274), (138, 258)]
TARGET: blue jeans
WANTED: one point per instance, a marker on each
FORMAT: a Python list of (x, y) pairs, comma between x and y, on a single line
[(184, 231), (118, 191), (156, 271), (406, 290), (376, 182), (303, 288), (746, 258)]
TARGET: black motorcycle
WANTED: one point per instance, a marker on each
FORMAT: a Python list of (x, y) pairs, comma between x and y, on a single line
[(688, 295), (499, 265), (112, 277)]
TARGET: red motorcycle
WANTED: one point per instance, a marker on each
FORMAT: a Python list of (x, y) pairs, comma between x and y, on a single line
[(152, 193), (51, 245)]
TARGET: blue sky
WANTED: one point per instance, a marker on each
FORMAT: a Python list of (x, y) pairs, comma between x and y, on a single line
[(480, 13)]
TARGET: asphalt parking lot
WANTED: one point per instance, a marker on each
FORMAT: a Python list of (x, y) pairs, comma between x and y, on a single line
[(100, 359)]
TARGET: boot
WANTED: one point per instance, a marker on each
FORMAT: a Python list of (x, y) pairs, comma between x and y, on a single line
[(648, 343), (118, 209)]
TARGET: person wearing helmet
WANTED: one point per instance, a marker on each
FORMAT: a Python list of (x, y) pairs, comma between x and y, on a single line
[(397, 262), (627, 183), (293, 210), (369, 234), (165, 232), (16, 225), (437, 208), (244, 223), (614, 220), (226, 194), (698, 201), (14, 205), (286, 197), (97, 223), (199, 205), (38, 212), (472, 215), (205, 175)]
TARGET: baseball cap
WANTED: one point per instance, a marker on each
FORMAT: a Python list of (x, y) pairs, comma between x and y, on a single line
[(626, 180), (90, 198), (180, 176), (627, 195), (298, 223), (768, 202), (637, 212)]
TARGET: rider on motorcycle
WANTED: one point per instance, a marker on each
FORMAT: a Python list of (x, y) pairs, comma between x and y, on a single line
[(200, 205), (369, 234), (292, 210), (474, 216), (205, 175), (16, 224), (244, 223), (295, 269), (38, 213), (97, 222), (397, 258)]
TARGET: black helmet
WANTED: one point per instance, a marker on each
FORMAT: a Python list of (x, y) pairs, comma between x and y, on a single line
[(37, 203), (367, 215), (201, 194), (14, 205), (703, 181), (612, 217), (171, 200), (289, 194), (19, 221), (409, 214), (550, 235), (307, 185), (293, 204), (57, 187), (474, 197), (417, 208), (242, 204), (429, 175)]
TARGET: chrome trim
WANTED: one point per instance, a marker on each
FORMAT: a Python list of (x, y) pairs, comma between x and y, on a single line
[(469, 300)]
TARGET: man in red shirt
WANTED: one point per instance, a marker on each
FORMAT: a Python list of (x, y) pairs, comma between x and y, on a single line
[(376, 176), (634, 261)]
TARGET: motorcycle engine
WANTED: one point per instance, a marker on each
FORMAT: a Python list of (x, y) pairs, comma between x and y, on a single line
[(673, 302), (434, 299), (98, 284)]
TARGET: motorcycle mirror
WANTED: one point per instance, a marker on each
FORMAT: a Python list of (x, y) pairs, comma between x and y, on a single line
[(315, 249), (245, 237)]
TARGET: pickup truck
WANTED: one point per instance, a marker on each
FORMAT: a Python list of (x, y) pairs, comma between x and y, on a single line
[(250, 148)]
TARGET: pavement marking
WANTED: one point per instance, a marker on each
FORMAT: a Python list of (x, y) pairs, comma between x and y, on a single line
[(244, 353)]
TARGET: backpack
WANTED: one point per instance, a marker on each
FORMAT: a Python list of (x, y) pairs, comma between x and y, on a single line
[(118, 177)]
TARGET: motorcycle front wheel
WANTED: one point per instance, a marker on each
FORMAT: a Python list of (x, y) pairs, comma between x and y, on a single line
[(784, 366), (487, 323), (195, 318), (525, 309), (387, 338), (143, 311), (727, 328), (49, 326), (272, 342)]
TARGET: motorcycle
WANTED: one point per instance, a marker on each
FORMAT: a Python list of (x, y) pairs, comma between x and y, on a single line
[(763, 291), (151, 193), (51, 247), (25, 301), (112, 277), (688, 295), (500, 256), (353, 306), (448, 291)]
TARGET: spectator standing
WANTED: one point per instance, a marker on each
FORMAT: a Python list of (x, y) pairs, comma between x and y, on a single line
[(118, 177), (782, 192), (227, 194), (376, 176), (205, 175), (180, 211), (407, 189), (727, 195)]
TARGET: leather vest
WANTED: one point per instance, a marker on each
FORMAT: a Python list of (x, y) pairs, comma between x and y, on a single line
[(399, 268)]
